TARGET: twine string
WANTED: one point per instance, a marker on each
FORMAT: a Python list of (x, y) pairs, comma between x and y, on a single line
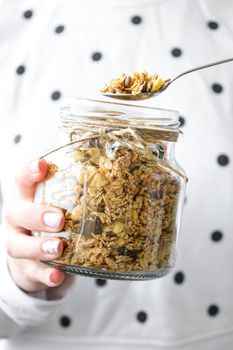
[(127, 137)]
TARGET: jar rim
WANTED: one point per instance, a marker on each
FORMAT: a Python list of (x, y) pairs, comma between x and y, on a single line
[(134, 113)]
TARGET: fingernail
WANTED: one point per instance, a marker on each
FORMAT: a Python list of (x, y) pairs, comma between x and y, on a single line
[(55, 278), (50, 247), (34, 166), (52, 220)]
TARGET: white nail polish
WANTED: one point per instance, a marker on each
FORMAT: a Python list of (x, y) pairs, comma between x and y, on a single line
[(50, 247), (52, 220)]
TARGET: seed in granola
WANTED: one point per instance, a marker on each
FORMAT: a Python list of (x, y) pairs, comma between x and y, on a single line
[(156, 194), (118, 227), (132, 253), (87, 229), (98, 225), (133, 167), (127, 81), (122, 251), (144, 87), (110, 234), (76, 228), (101, 208)]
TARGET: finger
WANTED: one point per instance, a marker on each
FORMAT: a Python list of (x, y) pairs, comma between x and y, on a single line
[(28, 176), (33, 276), (35, 217), (46, 275), (21, 246), (61, 291)]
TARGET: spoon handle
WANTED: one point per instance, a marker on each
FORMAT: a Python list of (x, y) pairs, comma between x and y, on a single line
[(202, 67)]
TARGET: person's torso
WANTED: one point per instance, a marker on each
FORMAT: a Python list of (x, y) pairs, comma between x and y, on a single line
[(67, 49)]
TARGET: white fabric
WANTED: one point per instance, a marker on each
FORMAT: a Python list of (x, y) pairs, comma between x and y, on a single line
[(105, 317), (24, 309)]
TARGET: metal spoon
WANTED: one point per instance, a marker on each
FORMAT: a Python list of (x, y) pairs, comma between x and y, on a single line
[(145, 95)]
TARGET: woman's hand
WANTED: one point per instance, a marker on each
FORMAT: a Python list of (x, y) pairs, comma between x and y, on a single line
[(24, 250)]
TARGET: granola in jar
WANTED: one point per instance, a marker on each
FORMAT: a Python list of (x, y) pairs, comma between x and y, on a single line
[(120, 194)]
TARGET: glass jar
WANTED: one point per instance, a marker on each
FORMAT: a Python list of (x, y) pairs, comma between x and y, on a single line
[(120, 188)]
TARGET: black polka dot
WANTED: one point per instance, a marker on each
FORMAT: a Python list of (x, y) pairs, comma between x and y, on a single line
[(142, 316), (217, 88), (179, 277), (136, 19), (100, 282), (223, 159), (212, 25), (65, 321), (59, 29), (182, 121), (213, 310), (96, 56), (20, 70), (28, 14), (217, 236), (17, 138), (56, 95), (176, 52)]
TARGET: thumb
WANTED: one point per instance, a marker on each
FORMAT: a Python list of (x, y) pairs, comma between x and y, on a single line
[(28, 176)]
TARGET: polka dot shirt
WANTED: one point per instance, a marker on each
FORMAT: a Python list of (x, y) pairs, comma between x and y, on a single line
[(51, 50)]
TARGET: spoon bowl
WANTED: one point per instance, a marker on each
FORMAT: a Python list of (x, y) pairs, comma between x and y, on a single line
[(146, 95), (130, 97)]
